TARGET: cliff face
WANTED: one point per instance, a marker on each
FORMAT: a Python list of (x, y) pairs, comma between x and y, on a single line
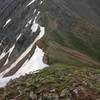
[(19, 32), (66, 30)]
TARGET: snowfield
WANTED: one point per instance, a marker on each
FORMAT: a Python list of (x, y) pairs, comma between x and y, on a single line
[(34, 64)]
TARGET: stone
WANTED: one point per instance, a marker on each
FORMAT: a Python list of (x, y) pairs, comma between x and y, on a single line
[(33, 96), (64, 93)]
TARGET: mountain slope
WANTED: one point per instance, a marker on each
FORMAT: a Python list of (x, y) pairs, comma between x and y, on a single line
[(79, 35), (70, 46)]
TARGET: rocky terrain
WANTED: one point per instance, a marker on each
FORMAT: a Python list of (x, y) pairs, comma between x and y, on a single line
[(61, 34), (58, 82)]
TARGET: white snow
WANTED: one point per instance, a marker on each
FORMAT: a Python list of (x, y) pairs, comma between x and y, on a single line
[(41, 2), (2, 55), (26, 25), (7, 22), (30, 3), (6, 61), (34, 27), (10, 51), (34, 64), (18, 37), (29, 22), (4, 81)]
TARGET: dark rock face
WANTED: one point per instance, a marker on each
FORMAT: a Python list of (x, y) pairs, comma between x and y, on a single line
[(19, 15), (16, 19)]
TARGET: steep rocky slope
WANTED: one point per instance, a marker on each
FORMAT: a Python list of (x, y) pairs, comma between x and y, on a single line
[(71, 44)]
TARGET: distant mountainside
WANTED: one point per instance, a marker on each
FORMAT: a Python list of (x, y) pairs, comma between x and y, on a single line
[(62, 35)]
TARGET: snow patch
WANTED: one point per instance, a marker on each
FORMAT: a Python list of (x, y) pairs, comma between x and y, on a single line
[(31, 3), (18, 37), (7, 22), (2, 55), (34, 64), (10, 51), (35, 25), (6, 62), (29, 22), (41, 2)]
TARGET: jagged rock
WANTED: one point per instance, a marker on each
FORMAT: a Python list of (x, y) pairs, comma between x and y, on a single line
[(19, 90), (33, 96), (64, 93), (52, 91), (51, 97)]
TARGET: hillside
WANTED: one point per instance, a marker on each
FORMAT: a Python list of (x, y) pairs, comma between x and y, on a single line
[(70, 47), (58, 82)]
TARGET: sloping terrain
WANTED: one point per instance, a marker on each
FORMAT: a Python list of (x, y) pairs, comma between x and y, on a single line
[(58, 82), (67, 33), (76, 32), (19, 32)]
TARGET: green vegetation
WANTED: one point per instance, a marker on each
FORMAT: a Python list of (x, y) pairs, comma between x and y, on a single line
[(83, 47), (59, 77), (57, 38)]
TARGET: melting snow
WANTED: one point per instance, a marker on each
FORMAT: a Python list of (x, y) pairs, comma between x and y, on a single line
[(41, 2), (18, 37), (34, 64), (29, 22), (2, 55), (7, 22), (30, 3), (34, 27), (6, 62), (10, 51), (4, 81)]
